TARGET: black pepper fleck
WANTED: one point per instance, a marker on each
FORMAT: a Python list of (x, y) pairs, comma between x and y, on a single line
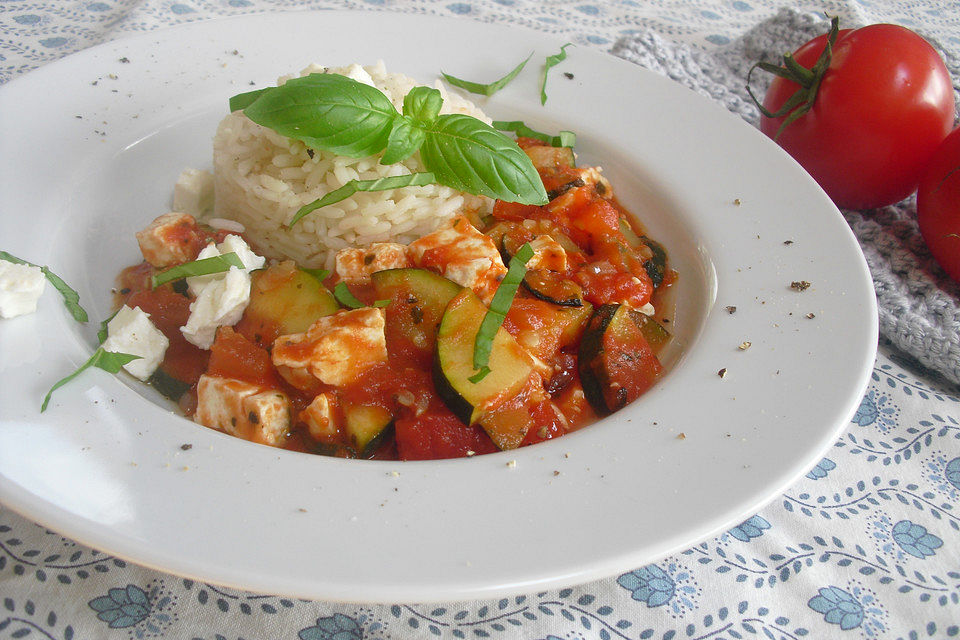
[(799, 285), (186, 447)]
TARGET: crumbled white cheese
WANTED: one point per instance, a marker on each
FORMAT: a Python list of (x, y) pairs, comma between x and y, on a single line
[(220, 303), (231, 244), (333, 350), (20, 288), (170, 239), (130, 331), (193, 192), (243, 409)]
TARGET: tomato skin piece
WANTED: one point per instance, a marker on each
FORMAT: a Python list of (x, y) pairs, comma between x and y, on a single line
[(884, 104), (938, 205)]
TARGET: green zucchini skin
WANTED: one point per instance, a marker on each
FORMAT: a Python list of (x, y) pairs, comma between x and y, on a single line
[(615, 363), (367, 427), (418, 299), (553, 288), (167, 385), (510, 366)]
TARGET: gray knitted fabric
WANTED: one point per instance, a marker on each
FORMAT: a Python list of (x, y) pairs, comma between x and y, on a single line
[(919, 306)]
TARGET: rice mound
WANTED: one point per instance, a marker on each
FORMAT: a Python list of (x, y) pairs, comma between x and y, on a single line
[(262, 178)]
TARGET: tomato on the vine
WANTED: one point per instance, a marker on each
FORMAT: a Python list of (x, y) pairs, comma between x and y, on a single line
[(882, 103), (938, 205)]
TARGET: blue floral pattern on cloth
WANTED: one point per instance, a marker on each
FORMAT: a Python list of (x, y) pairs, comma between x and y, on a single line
[(865, 545)]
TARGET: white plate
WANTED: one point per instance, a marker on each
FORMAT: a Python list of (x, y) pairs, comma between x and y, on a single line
[(89, 150)]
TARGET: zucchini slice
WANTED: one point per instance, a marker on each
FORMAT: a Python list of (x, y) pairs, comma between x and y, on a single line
[(656, 267), (510, 366), (655, 333), (552, 287), (284, 300), (616, 363), (418, 299), (366, 427)]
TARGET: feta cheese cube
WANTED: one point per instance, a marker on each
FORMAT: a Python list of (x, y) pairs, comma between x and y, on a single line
[(334, 350), (356, 264), (130, 331), (20, 288), (547, 254), (231, 244), (321, 418), (193, 192), (170, 239), (220, 303), (243, 409), (461, 253)]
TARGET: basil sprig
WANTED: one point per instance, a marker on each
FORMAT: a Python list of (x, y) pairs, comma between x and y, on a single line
[(486, 89), (71, 299), (497, 313), (109, 361), (202, 267), (564, 139), (339, 114), (345, 297), (552, 61), (352, 186)]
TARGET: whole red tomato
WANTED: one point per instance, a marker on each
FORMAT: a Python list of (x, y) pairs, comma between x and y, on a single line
[(883, 105), (938, 205)]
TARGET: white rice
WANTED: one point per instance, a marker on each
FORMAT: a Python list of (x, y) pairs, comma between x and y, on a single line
[(263, 178)]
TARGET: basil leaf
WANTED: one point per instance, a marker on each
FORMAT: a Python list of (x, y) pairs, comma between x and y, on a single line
[(104, 332), (470, 155), (202, 267), (319, 274), (497, 313), (486, 89), (71, 299), (565, 139), (552, 61), (244, 100), (347, 190), (345, 297), (405, 138), (107, 360), (327, 111), (422, 104)]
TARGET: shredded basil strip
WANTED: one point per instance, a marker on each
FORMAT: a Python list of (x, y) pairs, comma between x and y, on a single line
[(564, 139), (71, 299), (486, 89), (497, 313), (343, 116), (345, 297), (202, 267), (552, 61), (347, 190), (104, 331), (319, 274), (109, 361)]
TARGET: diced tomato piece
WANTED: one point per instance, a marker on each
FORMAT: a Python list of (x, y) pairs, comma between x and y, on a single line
[(603, 283), (233, 356), (515, 211), (439, 434), (550, 425), (169, 311)]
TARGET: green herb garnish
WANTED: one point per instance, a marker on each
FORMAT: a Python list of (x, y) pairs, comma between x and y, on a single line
[(486, 89), (104, 330), (347, 190), (338, 114), (71, 299), (202, 267), (319, 274), (345, 297), (565, 139), (552, 61), (109, 361), (497, 313)]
